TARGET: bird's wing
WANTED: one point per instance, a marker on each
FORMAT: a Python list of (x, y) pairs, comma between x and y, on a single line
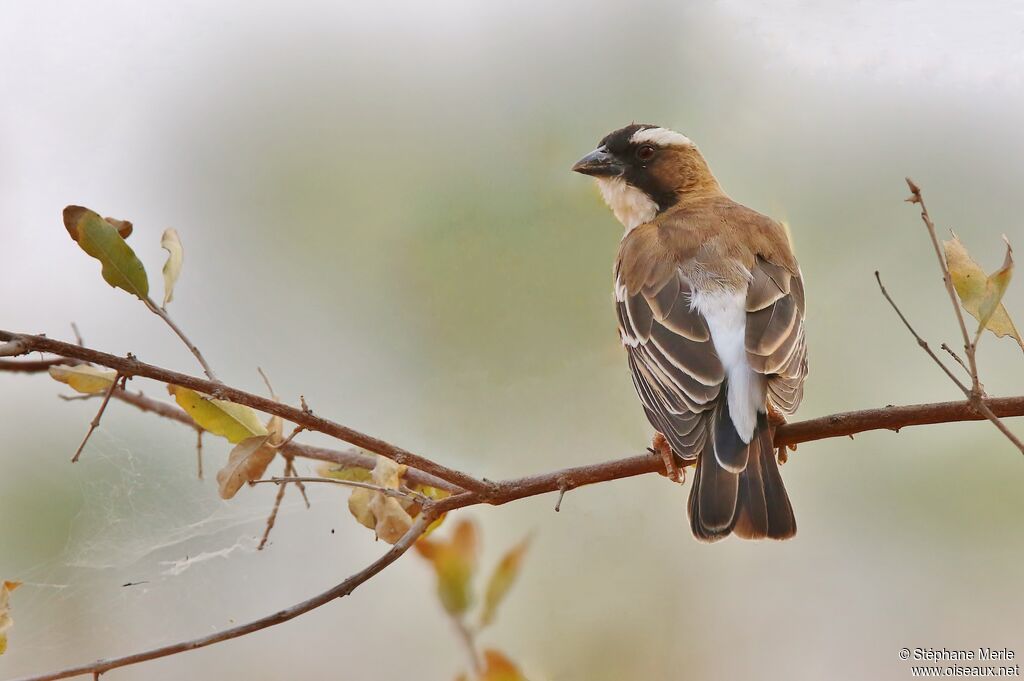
[(675, 368), (775, 332)]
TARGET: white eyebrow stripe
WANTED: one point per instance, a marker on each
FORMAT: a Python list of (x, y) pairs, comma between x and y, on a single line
[(662, 137)]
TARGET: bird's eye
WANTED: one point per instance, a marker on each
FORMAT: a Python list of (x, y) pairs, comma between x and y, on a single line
[(645, 153)]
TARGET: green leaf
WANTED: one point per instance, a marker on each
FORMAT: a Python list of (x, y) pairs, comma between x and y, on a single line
[(981, 295), (84, 378), (236, 422), (99, 238), (172, 268), (501, 581)]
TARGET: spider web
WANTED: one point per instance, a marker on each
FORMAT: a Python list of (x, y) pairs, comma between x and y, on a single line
[(147, 531)]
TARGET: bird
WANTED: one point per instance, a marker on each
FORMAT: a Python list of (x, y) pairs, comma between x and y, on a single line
[(709, 299)]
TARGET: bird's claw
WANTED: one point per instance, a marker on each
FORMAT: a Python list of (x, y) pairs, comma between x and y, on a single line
[(661, 447)]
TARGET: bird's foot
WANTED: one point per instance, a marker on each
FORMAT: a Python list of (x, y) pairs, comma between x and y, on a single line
[(660, 446), (775, 417)]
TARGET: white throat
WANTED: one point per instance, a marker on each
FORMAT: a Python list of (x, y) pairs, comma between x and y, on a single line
[(631, 206)]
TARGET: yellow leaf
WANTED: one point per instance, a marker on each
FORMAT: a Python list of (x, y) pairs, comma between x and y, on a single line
[(5, 612), (383, 514), (172, 268), (236, 422), (995, 288), (99, 238), (84, 378), (497, 667), (392, 520), (359, 507), (501, 581), (980, 294), (454, 562), (352, 473)]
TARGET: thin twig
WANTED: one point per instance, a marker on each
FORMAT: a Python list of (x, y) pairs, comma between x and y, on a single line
[(350, 458), (289, 469), (199, 452), (969, 347), (955, 357), (341, 590), (272, 518), (469, 642), (162, 314), (96, 419), (920, 341), (386, 491), (133, 367)]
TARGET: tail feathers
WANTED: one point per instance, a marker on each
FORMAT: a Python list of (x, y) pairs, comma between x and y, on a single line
[(752, 503), (731, 451)]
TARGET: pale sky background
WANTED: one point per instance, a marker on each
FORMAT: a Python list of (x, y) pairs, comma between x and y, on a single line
[(376, 208)]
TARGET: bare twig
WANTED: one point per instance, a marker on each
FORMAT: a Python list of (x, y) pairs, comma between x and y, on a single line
[(338, 591), (289, 469), (956, 357), (133, 367), (272, 518), (386, 491), (915, 197), (162, 314), (920, 341), (469, 643), (199, 452), (96, 419)]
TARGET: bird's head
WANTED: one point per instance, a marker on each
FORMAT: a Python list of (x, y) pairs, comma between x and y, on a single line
[(644, 170)]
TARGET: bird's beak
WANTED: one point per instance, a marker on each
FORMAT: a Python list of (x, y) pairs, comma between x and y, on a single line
[(599, 163)]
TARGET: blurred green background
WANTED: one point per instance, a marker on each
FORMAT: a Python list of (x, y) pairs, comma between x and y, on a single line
[(376, 208)]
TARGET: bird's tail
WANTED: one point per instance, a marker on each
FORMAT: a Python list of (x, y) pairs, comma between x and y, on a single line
[(752, 502)]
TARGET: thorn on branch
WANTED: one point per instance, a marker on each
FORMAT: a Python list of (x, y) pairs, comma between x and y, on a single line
[(563, 487)]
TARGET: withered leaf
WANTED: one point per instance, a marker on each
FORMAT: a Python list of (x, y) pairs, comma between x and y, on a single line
[(497, 667), (172, 268), (6, 622), (980, 294)]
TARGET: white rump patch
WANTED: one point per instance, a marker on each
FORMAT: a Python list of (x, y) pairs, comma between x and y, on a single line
[(662, 137), (726, 315), (632, 206)]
